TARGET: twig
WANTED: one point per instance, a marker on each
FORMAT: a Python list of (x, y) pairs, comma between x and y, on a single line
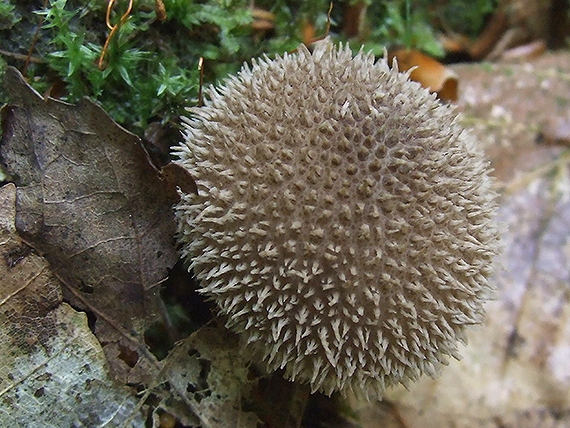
[(113, 28), (328, 27), (34, 40), (201, 70), (21, 57)]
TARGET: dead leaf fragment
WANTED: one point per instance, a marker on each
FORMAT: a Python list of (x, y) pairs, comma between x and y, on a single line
[(52, 369), (208, 374), (556, 132), (524, 52), (308, 32), (428, 72), (91, 203), (28, 290), (263, 20), (160, 10)]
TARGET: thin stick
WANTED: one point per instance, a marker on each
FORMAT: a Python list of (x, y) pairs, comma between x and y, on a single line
[(328, 27), (113, 28), (201, 70), (33, 45), (21, 57)]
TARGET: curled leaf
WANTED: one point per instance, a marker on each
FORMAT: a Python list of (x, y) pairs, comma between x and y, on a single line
[(429, 72)]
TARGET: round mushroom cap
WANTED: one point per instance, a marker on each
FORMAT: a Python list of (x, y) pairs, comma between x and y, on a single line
[(343, 222)]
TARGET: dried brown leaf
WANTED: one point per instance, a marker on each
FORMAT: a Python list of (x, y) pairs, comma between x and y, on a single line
[(91, 203), (555, 131), (263, 20), (207, 374), (429, 72), (52, 369)]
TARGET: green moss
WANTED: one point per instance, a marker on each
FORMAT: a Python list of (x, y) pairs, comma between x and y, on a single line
[(151, 66)]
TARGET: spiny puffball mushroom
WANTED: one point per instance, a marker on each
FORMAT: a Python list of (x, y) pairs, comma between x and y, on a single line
[(343, 222)]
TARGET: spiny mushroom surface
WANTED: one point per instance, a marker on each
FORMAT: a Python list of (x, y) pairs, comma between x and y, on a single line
[(343, 222)]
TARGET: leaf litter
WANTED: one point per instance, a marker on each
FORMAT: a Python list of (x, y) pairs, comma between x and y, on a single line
[(53, 371), (90, 202)]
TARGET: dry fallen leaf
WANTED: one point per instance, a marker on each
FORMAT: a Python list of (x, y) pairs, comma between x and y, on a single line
[(525, 51), (555, 131), (91, 203), (207, 374), (263, 20), (429, 72), (52, 369)]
